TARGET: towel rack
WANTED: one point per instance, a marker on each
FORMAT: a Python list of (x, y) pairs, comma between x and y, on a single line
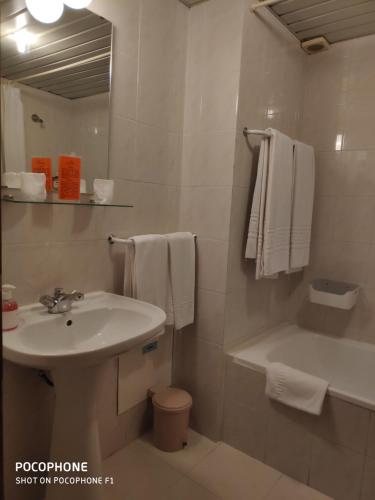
[(249, 131), (112, 239)]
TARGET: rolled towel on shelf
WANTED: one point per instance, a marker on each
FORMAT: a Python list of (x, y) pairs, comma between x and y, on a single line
[(295, 388)]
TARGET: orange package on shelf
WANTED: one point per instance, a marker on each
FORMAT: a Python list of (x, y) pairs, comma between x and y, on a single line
[(43, 166), (69, 177)]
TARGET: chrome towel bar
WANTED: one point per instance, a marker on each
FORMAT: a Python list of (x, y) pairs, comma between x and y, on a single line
[(112, 239)]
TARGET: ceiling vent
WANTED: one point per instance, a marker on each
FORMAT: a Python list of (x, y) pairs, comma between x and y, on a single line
[(315, 45)]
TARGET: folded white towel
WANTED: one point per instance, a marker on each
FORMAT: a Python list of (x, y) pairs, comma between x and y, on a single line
[(182, 278), (146, 270), (303, 202), (271, 215), (295, 388)]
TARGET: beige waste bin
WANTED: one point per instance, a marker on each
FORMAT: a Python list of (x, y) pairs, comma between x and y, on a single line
[(171, 418)]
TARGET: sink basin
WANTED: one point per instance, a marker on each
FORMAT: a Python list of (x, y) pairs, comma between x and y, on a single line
[(73, 347), (101, 326)]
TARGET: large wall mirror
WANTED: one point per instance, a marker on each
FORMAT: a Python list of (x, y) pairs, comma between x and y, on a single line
[(55, 89)]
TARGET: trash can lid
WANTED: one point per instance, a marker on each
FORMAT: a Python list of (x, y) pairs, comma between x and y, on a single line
[(172, 399)]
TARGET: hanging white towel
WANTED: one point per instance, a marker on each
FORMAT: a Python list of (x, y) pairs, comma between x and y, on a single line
[(254, 244), (13, 154), (295, 388), (146, 270), (270, 222), (182, 278), (303, 202), (160, 269)]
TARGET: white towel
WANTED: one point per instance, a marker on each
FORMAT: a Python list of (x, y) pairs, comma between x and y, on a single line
[(254, 246), (303, 202), (295, 388), (160, 269), (146, 270), (270, 222), (182, 278)]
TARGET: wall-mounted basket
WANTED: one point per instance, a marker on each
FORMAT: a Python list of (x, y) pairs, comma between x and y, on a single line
[(333, 293)]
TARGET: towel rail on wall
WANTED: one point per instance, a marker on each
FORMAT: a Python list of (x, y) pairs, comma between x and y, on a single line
[(112, 239), (249, 131)]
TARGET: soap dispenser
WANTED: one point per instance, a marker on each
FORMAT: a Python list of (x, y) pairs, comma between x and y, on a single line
[(9, 308)]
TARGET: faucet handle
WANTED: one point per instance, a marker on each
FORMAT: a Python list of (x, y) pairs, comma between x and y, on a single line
[(58, 291)]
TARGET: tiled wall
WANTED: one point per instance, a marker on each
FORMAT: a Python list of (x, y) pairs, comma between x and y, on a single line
[(271, 95), (80, 126), (211, 104), (242, 70), (333, 453), (90, 130), (55, 136), (338, 111), (66, 246)]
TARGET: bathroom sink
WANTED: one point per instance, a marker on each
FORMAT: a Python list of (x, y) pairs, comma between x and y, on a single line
[(73, 346), (103, 325)]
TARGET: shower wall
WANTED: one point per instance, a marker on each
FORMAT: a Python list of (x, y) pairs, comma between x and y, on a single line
[(211, 108), (270, 95), (339, 107), (242, 70)]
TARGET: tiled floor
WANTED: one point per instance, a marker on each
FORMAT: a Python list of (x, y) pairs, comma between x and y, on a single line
[(202, 471)]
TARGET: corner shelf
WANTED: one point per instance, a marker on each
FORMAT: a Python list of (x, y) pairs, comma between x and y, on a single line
[(85, 201)]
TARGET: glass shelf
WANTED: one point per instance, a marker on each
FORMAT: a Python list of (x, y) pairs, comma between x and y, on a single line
[(14, 196)]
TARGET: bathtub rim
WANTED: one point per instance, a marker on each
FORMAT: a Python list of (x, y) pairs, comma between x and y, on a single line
[(279, 334)]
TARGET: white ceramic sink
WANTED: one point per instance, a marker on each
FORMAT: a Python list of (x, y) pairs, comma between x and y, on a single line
[(73, 346), (101, 326)]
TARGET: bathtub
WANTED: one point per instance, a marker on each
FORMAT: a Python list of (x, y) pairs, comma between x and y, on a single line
[(347, 365)]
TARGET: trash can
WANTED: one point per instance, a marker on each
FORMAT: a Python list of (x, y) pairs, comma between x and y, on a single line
[(171, 418)]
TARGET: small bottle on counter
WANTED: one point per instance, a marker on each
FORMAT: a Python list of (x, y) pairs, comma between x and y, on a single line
[(9, 308)]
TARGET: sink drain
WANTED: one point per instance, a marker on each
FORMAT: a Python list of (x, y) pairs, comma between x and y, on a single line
[(69, 322)]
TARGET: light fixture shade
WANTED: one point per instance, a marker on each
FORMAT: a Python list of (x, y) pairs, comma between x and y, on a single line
[(77, 4), (45, 12)]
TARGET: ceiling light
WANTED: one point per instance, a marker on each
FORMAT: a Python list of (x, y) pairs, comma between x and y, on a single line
[(45, 12), (23, 39), (77, 4)]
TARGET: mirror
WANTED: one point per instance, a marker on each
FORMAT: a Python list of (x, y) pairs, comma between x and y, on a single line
[(55, 89)]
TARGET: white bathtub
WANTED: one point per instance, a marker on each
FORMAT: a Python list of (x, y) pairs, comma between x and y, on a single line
[(349, 366)]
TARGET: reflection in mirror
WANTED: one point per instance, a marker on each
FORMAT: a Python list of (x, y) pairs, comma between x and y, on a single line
[(55, 90)]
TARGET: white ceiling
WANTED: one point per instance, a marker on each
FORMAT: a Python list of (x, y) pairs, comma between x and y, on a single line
[(336, 20)]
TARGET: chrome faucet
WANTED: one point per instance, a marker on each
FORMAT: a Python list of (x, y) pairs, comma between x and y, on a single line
[(60, 302)]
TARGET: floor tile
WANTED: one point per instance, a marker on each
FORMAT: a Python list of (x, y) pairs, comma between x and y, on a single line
[(197, 449), (230, 474), (139, 474), (186, 489), (289, 489)]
